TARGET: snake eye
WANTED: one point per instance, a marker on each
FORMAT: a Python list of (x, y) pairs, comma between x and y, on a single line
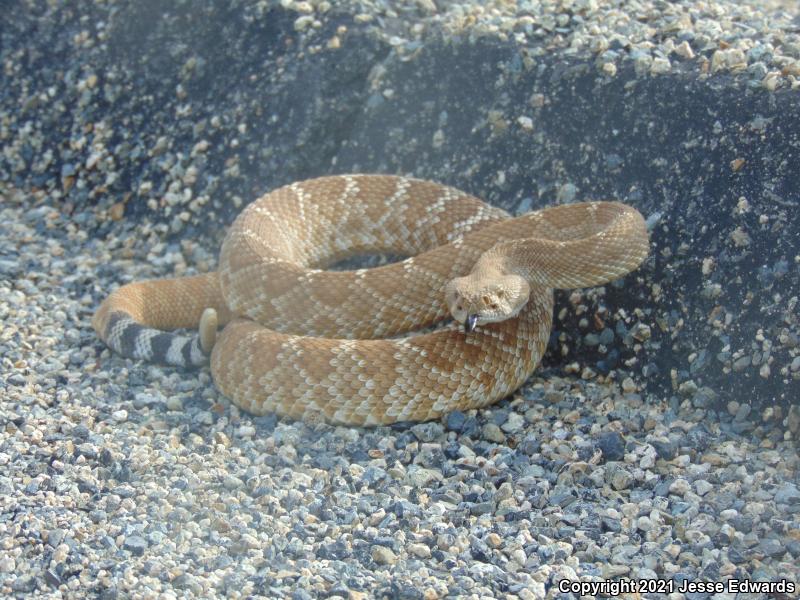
[(493, 305)]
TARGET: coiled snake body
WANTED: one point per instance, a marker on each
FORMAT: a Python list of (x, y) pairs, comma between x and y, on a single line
[(309, 343)]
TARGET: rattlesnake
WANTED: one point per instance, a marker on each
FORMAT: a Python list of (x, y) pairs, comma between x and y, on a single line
[(294, 340)]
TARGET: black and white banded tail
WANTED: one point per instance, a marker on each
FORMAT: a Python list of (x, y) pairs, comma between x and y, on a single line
[(136, 321)]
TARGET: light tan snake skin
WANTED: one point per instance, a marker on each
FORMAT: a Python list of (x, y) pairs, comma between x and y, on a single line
[(298, 346)]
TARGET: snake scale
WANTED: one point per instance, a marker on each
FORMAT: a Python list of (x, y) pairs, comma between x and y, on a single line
[(311, 343)]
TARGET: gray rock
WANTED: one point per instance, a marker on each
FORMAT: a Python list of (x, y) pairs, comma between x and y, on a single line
[(787, 493), (772, 547), (612, 445), (493, 433), (428, 432), (135, 544)]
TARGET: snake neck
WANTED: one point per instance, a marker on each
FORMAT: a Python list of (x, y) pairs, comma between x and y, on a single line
[(503, 260)]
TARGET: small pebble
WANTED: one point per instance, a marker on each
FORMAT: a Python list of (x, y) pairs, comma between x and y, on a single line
[(383, 556)]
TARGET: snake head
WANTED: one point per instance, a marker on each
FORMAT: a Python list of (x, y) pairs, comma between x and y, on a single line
[(478, 299)]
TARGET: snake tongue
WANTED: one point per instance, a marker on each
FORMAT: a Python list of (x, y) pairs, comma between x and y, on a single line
[(470, 322)]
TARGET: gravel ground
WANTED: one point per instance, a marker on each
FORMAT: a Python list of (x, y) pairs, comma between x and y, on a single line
[(119, 478)]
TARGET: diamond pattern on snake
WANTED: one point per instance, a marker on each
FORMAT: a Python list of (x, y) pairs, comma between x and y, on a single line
[(309, 343)]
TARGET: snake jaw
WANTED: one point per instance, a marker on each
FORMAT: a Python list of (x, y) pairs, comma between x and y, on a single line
[(470, 323)]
